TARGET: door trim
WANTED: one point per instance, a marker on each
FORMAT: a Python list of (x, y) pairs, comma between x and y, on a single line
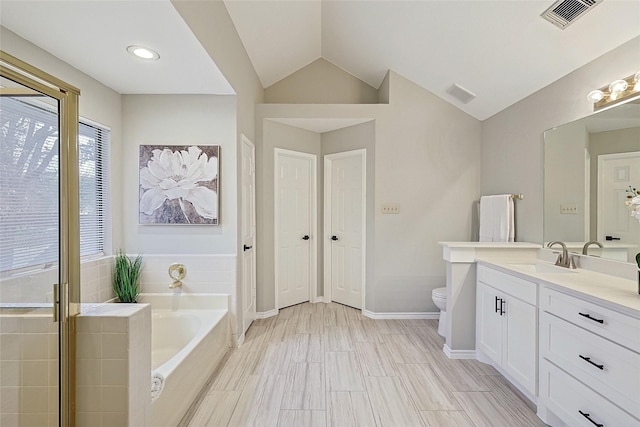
[(313, 209), (601, 159), (244, 140), (328, 162)]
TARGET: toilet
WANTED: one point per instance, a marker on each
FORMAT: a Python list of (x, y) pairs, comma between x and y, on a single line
[(439, 296)]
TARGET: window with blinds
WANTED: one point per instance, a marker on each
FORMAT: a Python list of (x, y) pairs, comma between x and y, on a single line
[(29, 182)]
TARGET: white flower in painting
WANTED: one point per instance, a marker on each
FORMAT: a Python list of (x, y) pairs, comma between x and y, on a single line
[(177, 175)]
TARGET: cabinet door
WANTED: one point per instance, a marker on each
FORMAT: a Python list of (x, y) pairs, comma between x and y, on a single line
[(489, 323), (520, 343)]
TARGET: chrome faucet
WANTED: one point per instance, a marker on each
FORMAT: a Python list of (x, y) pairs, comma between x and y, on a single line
[(564, 260), (586, 246)]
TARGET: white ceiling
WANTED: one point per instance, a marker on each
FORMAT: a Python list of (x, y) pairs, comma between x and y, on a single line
[(501, 50), (95, 35)]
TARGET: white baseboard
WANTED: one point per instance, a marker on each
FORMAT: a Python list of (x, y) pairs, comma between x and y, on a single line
[(400, 316), (237, 342), (266, 314), (458, 354), (317, 299)]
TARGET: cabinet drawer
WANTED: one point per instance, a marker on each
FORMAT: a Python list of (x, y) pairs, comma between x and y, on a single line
[(622, 329), (511, 285), (612, 370), (569, 399)]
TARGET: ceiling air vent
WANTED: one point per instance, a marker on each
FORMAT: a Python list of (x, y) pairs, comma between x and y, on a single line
[(564, 12), (461, 94)]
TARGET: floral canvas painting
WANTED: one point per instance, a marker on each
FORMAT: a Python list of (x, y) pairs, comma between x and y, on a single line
[(179, 184)]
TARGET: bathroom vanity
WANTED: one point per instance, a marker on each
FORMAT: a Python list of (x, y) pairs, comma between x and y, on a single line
[(568, 339)]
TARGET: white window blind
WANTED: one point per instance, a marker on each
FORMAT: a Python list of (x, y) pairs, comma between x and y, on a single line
[(29, 182), (93, 157)]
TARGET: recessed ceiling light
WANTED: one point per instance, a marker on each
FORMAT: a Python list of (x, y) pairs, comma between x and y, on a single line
[(143, 52)]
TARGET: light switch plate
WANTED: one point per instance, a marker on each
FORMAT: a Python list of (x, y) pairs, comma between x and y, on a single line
[(390, 208)]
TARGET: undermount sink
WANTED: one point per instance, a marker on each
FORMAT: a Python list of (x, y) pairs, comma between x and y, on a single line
[(541, 267)]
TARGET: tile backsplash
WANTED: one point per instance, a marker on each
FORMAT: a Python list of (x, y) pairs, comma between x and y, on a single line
[(205, 274)]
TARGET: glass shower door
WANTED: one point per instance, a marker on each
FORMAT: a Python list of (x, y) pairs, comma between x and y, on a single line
[(35, 269)]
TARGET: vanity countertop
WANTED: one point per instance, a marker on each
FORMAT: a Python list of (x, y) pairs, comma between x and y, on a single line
[(491, 245), (613, 292)]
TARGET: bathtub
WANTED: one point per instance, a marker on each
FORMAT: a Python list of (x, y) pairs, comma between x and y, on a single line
[(190, 334)]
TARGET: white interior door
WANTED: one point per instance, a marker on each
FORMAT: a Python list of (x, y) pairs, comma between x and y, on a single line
[(248, 233), (616, 172), (294, 226), (345, 227)]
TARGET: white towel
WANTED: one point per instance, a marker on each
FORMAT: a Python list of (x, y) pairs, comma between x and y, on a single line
[(157, 384), (497, 218)]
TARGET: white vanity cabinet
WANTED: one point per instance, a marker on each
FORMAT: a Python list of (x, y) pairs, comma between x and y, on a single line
[(506, 325), (589, 362)]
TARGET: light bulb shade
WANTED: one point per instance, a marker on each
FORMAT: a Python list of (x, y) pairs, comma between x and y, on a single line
[(636, 77), (595, 95), (618, 86)]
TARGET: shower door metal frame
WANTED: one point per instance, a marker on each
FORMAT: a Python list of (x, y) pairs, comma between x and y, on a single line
[(67, 305)]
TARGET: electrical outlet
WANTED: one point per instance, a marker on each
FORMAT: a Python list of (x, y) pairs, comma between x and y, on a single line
[(390, 208), (569, 208)]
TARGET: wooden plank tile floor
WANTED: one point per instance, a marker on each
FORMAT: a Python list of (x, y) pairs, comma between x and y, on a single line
[(325, 365)]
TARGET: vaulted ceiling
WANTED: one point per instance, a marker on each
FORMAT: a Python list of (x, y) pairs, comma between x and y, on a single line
[(501, 50)]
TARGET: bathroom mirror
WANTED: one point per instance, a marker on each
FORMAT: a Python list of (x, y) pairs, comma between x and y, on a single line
[(588, 165)]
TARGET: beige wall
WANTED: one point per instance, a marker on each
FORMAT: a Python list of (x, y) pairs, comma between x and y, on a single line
[(97, 103), (512, 140), (179, 120), (320, 82), (564, 182), (426, 159)]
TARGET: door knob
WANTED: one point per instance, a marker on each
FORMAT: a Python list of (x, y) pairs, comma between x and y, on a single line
[(246, 248), (305, 237), (611, 238), (334, 238)]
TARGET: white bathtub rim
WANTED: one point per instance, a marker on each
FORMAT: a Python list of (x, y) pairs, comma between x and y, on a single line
[(209, 319), (197, 301)]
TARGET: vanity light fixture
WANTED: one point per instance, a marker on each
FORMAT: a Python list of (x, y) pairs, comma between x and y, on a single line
[(617, 91), (143, 52)]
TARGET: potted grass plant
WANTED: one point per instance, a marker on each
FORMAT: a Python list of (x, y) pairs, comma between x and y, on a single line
[(126, 273)]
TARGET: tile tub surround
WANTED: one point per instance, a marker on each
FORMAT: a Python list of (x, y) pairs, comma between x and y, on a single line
[(113, 356), (208, 274), (28, 367)]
